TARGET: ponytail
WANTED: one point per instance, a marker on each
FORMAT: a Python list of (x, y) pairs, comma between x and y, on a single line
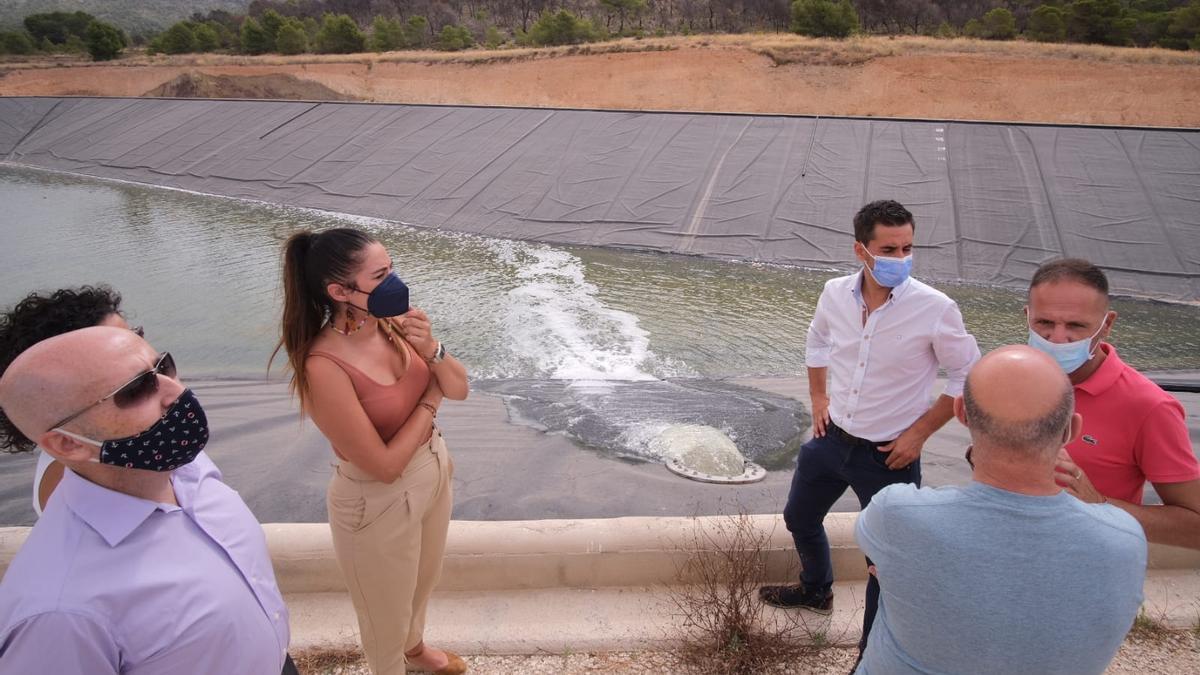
[(311, 260)]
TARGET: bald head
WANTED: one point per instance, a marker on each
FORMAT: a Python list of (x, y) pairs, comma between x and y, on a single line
[(63, 374), (1018, 400)]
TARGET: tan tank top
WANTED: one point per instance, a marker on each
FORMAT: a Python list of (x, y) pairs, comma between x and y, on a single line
[(387, 406)]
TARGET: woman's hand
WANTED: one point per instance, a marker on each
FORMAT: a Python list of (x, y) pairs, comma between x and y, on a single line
[(415, 327)]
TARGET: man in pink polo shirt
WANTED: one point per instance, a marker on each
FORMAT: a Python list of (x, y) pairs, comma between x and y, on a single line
[(1133, 431)]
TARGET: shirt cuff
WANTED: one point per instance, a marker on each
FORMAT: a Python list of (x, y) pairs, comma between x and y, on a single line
[(954, 387), (817, 359)]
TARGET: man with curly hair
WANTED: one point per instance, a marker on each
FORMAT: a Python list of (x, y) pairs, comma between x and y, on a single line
[(38, 317), (144, 560)]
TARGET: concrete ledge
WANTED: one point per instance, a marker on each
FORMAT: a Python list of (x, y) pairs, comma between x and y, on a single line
[(567, 620), (598, 553), (594, 553)]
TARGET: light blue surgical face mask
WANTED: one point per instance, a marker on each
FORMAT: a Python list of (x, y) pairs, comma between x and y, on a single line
[(1069, 355), (890, 272)]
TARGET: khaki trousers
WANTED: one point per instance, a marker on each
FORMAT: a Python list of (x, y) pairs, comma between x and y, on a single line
[(389, 539)]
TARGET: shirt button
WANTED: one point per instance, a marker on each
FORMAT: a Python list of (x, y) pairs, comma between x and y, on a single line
[(861, 364), (853, 391), (276, 616)]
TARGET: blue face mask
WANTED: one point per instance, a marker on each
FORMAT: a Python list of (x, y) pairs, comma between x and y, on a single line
[(174, 440), (389, 298), (1069, 355), (890, 272)]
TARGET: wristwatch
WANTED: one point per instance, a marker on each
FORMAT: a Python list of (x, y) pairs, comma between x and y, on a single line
[(439, 355)]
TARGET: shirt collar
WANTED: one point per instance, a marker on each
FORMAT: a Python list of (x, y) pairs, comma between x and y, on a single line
[(897, 292), (1106, 375), (113, 515)]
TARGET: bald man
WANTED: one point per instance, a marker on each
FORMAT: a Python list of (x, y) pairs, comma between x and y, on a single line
[(143, 562), (1009, 574)]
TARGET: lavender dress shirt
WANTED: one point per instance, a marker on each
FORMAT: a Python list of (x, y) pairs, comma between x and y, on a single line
[(109, 583)]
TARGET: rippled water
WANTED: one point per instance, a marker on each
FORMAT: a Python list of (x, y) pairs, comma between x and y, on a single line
[(202, 274)]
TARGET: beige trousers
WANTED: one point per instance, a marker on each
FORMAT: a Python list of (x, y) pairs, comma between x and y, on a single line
[(389, 539)]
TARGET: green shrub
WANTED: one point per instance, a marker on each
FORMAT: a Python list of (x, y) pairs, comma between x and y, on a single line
[(271, 22), (561, 28), (15, 42), (999, 24), (75, 45), (492, 37), (104, 41), (254, 39), (824, 18), (1047, 24), (1184, 30), (340, 35), (387, 34), (945, 31), (973, 29), (207, 39), (178, 39), (454, 39), (58, 27), (416, 31), (292, 39), (311, 28), (1101, 21)]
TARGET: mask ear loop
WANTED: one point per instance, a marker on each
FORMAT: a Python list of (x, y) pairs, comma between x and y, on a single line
[(83, 439), (1092, 352), (347, 329), (78, 437)]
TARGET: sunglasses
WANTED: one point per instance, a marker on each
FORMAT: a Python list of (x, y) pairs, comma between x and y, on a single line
[(135, 391)]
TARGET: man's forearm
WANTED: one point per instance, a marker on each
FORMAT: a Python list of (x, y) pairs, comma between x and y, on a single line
[(1165, 524), (935, 418), (816, 381)]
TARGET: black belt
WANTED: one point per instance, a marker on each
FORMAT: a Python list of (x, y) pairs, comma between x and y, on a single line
[(843, 435)]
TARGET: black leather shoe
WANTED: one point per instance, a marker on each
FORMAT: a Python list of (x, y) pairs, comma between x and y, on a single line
[(795, 597)]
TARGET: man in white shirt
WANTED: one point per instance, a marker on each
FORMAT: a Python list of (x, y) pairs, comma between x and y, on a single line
[(881, 336)]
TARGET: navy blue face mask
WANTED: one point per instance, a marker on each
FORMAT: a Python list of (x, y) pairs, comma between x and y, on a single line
[(390, 298), (174, 440)]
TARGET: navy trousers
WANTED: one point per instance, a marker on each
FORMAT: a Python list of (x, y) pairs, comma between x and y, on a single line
[(825, 467)]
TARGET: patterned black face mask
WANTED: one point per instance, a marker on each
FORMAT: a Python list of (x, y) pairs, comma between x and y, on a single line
[(170, 443)]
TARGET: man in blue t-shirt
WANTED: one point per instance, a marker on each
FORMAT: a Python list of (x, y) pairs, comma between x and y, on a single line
[(1008, 574)]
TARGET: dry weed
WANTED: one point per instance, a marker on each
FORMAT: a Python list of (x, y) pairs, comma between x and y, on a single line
[(326, 660), (781, 48), (726, 628), (1150, 628)]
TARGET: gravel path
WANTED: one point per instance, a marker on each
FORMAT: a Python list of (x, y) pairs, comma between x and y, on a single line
[(1169, 653)]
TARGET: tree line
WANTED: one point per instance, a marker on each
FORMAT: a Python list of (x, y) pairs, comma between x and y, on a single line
[(350, 26), (65, 32)]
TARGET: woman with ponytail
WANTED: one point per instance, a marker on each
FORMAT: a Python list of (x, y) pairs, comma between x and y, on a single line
[(368, 371)]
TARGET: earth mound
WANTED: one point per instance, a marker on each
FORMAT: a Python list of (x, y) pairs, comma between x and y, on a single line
[(275, 86)]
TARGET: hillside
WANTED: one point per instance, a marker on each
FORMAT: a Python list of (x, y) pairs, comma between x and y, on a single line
[(135, 16), (902, 77)]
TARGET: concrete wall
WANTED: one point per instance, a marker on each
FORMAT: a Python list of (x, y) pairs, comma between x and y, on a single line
[(595, 553)]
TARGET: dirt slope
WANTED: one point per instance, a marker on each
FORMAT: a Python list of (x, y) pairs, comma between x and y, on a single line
[(914, 78)]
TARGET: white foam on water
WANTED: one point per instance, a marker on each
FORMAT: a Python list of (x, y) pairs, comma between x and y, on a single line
[(556, 320), (697, 446)]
